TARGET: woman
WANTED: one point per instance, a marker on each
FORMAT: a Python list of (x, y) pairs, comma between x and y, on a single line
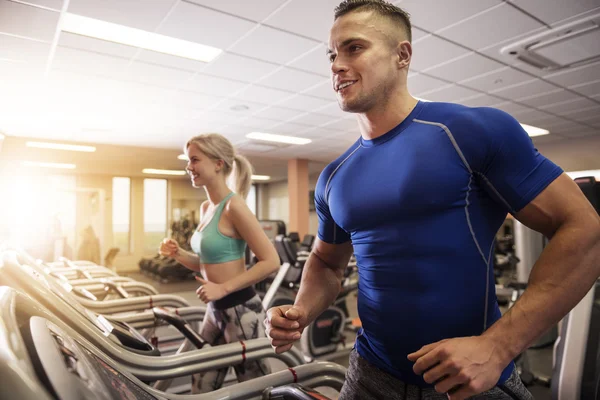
[(234, 310)]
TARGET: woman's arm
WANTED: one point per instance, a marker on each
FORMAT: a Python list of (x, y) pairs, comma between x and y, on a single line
[(187, 259)]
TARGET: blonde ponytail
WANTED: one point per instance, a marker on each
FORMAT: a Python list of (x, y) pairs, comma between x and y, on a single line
[(243, 175)]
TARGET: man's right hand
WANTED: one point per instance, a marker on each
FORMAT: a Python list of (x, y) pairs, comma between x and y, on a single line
[(284, 325), (168, 248)]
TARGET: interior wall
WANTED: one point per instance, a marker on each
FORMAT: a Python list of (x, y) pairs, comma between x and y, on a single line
[(276, 205), (578, 155)]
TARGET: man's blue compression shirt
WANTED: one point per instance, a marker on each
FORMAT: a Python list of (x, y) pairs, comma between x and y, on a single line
[(422, 205)]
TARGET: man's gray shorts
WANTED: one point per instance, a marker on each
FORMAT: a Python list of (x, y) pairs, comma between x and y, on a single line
[(364, 381)]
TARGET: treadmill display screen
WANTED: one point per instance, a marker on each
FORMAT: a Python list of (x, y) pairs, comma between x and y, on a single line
[(120, 387)]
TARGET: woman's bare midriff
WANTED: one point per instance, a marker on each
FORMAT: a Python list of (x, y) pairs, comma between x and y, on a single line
[(223, 272)]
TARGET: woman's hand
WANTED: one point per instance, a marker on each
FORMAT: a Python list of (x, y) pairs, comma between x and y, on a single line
[(210, 291), (168, 248)]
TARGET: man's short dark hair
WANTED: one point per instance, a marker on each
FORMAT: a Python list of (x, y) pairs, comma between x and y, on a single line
[(381, 7)]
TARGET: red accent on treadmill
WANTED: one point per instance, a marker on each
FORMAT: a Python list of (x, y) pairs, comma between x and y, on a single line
[(176, 311), (243, 351), (294, 373)]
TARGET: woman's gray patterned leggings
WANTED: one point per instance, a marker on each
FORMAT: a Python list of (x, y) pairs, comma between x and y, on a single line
[(242, 322)]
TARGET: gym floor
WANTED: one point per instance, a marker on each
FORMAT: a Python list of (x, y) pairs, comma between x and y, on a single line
[(540, 360)]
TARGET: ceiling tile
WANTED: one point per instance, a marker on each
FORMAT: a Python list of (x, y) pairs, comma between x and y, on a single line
[(278, 113), (167, 60), (496, 80), (510, 107), (324, 91), (140, 14), (418, 34), (53, 4), (17, 49), (496, 27), (566, 107), (201, 25), (156, 75), (524, 89), (420, 83), (570, 130), (557, 10), (464, 68), (218, 116), (22, 74), (213, 86), (254, 10), (263, 94), (576, 76), (311, 119), (311, 18), (31, 22), (333, 110), (482, 100), (79, 42), (288, 128), (228, 66), (532, 116), (432, 51), (227, 105), (595, 122), (450, 93), (91, 63), (585, 114), (293, 80), (283, 47), (588, 89), (349, 124), (577, 132), (446, 12), (181, 98), (258, 124), (303, 103), (545, 99), (266, 122), (315, 61)]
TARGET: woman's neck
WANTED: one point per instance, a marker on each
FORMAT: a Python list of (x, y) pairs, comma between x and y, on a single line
[(217, 191)]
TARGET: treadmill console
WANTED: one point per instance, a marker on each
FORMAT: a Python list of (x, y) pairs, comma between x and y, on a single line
[(75, 372)]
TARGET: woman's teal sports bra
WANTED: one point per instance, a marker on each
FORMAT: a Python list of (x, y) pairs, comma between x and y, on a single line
[(212, 246)]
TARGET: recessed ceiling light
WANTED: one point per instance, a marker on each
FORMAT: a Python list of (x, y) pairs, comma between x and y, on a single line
[(153, 171), (61, 146), (260, 177), (534, 131), (182, 157), (2, 136), (48, 165), (269, 137), (137, 38)]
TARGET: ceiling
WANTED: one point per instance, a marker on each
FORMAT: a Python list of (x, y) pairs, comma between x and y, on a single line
[(273, 75)]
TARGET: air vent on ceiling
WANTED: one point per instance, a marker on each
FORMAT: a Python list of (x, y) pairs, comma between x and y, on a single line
[(574, 44)]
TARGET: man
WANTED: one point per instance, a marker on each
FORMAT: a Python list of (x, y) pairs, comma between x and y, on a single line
[(419, 198)]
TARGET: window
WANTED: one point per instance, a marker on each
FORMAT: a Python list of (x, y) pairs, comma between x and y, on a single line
[(121, 205), (155, 213), (251, 199)]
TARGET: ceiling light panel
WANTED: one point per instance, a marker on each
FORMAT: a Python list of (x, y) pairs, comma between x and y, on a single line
[(138, 38)]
